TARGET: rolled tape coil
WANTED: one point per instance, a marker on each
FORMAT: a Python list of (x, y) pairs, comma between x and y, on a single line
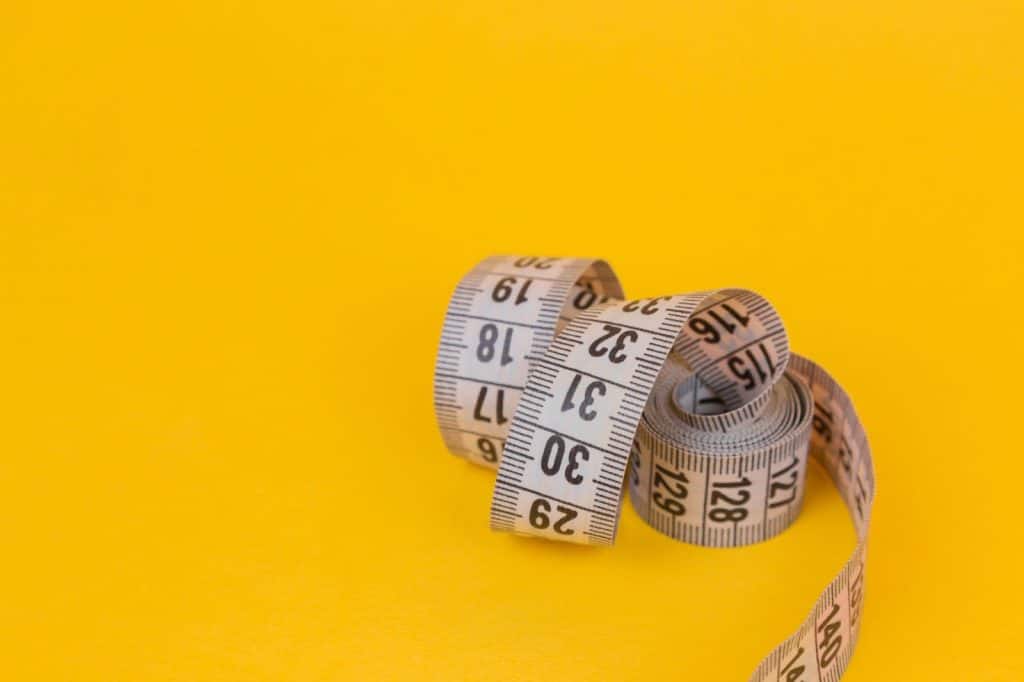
[(695, 400)]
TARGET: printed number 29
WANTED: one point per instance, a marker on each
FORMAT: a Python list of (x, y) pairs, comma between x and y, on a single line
[(539, 518)]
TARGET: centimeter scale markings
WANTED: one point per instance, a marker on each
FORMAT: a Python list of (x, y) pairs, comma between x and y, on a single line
[(502, 315), (694, 398), (744, 497), (536, 482)]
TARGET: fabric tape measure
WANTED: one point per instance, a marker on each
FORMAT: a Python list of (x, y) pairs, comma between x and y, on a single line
[(548, 374)]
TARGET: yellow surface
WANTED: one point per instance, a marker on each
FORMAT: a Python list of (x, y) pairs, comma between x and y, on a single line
[(228, 232)]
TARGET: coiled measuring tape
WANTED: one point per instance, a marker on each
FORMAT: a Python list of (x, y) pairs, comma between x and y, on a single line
[(547, 374)]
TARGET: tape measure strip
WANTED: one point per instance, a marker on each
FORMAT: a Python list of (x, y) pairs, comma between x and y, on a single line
[(716, 434), (502, 316)]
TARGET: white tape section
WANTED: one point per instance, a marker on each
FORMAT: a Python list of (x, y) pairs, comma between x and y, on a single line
[(545, 372)]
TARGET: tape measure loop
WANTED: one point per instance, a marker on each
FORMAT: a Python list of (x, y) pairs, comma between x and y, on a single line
[(544, 372)]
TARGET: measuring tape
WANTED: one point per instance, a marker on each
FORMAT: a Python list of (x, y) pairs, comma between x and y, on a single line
[(547, 374)]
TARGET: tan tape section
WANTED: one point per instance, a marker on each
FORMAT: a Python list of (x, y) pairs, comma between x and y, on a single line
[(543, 367)]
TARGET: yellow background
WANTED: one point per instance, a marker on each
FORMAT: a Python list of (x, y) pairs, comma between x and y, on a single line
[(228, 231)]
